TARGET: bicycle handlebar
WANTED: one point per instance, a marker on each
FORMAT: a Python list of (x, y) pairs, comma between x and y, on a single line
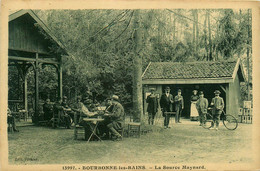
[(210, 108)]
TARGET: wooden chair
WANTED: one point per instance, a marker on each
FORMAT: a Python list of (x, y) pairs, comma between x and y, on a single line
[(78, 130), (134, 129)]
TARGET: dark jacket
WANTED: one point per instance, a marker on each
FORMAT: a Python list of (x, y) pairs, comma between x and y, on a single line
[(202, 105), (179, 103), (118, 113), (166, 102), (47, 108), (217, 103), (57, 107), (152, 104)]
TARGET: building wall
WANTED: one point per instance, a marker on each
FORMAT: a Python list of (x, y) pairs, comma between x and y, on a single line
[(235, 99), (25, 36)]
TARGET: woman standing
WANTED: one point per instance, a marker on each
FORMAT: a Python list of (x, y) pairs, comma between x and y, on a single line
[(193, 111)]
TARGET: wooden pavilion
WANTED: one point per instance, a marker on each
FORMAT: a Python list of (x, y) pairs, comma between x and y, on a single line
[(204, 76), (29, 46)]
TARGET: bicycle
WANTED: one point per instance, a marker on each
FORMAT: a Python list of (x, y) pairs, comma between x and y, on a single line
[(229, 121)]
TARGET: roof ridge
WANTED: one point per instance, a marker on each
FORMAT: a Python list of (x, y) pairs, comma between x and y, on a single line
[(191, 70), (195, 62)]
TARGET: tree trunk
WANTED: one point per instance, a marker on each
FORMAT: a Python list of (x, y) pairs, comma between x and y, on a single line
[(137, 78), (205, 34), (197, 33), (174, 29), (210, 43), (193, 34), (216, 44), (247, 53)]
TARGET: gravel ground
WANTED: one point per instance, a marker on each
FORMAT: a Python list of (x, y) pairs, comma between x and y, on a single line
[(186, 142)]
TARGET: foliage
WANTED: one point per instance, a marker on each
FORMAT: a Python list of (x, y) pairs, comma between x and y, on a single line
[(101, 45)]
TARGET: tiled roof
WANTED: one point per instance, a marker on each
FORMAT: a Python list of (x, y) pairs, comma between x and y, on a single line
[(190, 70)]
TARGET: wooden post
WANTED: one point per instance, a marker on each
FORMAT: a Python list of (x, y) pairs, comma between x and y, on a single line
[(36, 115), (228, 98), (25, 97), (60, 81)]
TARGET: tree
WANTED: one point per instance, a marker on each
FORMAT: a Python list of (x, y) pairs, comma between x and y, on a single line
[(137, 79)]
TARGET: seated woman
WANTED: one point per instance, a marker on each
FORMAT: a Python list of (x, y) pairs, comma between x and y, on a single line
[(11, 120)]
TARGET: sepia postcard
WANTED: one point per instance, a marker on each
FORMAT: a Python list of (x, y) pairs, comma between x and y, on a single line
[(129, 85)]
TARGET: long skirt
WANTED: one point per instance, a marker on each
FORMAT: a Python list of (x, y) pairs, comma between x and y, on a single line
[(193, 111)]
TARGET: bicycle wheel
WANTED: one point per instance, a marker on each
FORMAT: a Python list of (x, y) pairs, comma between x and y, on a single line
[(208, 122), (230, 122)]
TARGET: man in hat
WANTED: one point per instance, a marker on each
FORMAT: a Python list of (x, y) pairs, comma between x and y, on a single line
[(152, 107), (67, 113), (117, 117), (179, 105), (166, 102), (202, 106), (217, 104)]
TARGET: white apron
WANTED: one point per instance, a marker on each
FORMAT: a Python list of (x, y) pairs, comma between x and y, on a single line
[(193, 110)]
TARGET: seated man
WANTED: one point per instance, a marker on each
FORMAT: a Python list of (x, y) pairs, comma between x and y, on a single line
[(67, 112), (58, 109), (109, 106), (82, 111), (48, 110), (102, 128), (11, 120), (116, 118)]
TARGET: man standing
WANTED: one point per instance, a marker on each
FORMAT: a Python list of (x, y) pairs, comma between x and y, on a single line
[(179, 105), (218, 105), (152, 106), (166, 102), (117, 117), (202, 106)]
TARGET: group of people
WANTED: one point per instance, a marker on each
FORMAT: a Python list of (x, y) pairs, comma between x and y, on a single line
[(169, 103), (166, 102), (217, 104), (113, 115)]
